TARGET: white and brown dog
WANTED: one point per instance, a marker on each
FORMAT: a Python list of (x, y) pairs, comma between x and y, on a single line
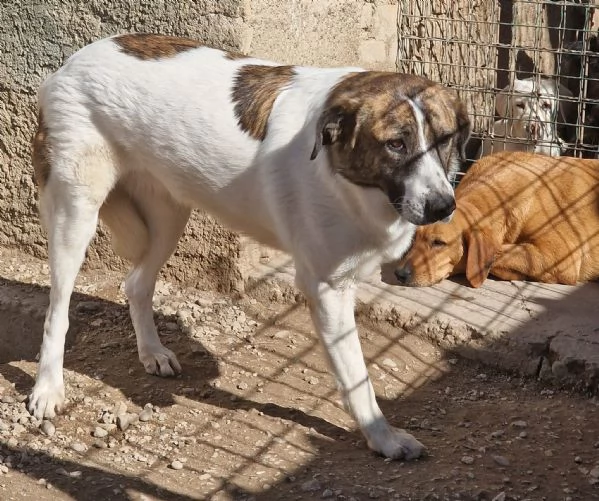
[(530, 112), (335, 166)]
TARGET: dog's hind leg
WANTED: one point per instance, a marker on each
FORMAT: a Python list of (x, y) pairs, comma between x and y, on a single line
[(526, 261), (165, 221), (332, 311), (73, 188)]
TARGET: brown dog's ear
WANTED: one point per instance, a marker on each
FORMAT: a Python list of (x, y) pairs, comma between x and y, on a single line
[(481, 254), (335, 124)]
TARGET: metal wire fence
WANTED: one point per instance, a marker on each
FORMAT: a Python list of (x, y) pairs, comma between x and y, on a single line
[(528, 70)]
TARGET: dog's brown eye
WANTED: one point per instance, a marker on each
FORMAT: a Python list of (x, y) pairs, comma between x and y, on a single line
[(437, 242), (396, 145), (546, 105), (520, 105)]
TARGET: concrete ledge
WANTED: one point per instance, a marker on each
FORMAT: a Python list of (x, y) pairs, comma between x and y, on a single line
[(548, 331)]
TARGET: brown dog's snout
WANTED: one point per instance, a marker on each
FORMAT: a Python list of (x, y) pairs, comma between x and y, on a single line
[(404, 274)]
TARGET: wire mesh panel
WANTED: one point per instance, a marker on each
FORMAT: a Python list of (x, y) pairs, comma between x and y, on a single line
[(528, 70)]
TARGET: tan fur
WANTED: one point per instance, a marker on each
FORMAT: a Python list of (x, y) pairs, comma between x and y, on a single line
[(254, 92), (40, 153), (233, 56), (120, 213), (519, 216), (150, 46)]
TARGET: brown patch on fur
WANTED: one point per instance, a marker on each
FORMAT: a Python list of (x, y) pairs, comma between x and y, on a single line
[(233, 56), (148, 46), (254, 92), (40, 153)]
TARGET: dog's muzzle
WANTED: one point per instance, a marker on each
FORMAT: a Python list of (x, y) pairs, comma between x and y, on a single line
[(404, 274)]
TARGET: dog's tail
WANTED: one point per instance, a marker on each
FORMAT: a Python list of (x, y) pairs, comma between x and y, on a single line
[(130, 237)]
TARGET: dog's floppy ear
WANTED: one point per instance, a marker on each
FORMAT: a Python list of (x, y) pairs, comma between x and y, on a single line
[(335, 124), (481, 254)]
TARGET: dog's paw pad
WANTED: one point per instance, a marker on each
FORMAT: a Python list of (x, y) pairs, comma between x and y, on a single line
[(46, 400), (161, 362)]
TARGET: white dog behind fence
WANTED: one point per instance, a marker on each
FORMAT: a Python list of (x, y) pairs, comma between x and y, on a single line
[(530, 112), (335, 166)]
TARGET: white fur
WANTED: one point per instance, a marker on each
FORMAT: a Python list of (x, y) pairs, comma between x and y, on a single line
[(162, 135), (530, 111)]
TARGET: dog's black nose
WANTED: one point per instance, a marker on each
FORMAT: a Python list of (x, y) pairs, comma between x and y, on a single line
[(404, 274), (438, 208)]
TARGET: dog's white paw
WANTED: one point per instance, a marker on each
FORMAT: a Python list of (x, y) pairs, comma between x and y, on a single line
[(46, 399), (397, 444), (160, 361)]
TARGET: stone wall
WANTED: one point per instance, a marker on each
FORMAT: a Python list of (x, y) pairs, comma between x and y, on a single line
[(37, 36)]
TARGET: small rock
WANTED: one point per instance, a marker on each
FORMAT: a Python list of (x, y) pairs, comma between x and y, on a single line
[(594, 472), (389, 363), (501, 460), (100, 432), (120, 408), (523, 434), (310, 486), (78, 447), (519, 424), (125, 420), (18, 428), (327, 493), (242, 386), (107, 418), (559, 369), (312, 380), (146, 414), (88, 307), (177, 465), (467, 460), (497, 434), (578, 459)]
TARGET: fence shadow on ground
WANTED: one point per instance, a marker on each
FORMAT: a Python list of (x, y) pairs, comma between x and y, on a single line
[(334, 449)]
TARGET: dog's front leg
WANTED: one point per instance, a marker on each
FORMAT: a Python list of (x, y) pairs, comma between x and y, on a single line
[(333, 315)]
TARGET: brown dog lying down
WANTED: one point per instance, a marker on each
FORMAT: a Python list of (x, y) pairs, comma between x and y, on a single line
[(519, 216)]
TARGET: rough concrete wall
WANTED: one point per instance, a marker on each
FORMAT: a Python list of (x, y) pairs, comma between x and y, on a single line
[(36, 37), (332, 33)]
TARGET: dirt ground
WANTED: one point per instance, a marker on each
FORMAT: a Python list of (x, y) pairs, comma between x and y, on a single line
[(255, 414)]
